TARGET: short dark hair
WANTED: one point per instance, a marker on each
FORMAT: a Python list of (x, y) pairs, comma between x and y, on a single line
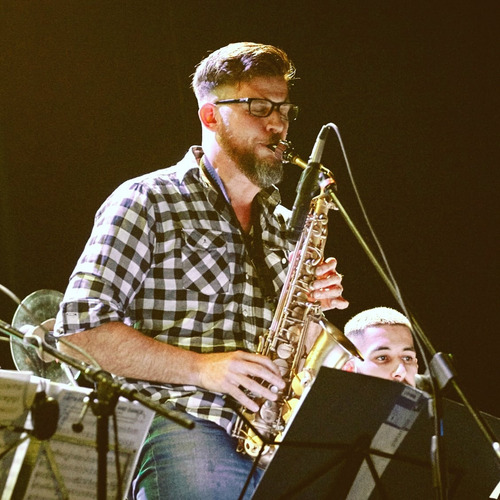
[(374, 317), (240, 62)]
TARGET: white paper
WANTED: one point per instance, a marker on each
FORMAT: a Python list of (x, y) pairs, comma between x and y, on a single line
[(17, 391), (66, 465)]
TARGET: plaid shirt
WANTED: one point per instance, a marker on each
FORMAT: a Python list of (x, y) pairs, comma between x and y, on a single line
[(167, 256)]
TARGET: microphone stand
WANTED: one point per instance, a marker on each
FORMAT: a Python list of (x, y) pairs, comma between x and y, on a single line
[(106, 397), (441, 371)]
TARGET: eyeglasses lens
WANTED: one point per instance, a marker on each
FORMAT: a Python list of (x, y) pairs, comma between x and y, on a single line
[(262, 108)]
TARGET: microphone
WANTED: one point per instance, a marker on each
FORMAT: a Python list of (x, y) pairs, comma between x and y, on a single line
[(319, 145), (307, 186)]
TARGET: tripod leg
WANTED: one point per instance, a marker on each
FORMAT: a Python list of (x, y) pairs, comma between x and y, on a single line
[(13, 465), (13, 446), (62, 491)]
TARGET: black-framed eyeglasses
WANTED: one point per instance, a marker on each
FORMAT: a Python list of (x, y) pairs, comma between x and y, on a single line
[(264, 107)]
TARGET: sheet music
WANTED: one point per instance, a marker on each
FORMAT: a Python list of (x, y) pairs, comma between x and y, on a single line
[(17, 392), (65, 466)]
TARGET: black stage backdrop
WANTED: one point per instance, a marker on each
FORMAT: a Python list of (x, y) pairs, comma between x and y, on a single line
[(94, 93)]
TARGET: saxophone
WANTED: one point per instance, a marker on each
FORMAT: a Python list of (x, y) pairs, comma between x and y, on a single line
[(258, 434)]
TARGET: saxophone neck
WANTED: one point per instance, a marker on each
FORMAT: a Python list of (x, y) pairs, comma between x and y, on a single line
[(285, 153)]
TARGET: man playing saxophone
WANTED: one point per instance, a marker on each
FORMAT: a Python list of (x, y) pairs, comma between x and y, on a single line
[(180, 277)]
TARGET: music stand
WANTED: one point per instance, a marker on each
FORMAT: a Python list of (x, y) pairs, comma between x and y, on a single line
[(65, 466), (329, 447)]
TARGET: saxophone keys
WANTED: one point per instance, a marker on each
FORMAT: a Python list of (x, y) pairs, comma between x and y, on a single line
[(252, 444), (282, 365), (293, 333), (268, 412), (301, 381), (284, 351), (289, 409)]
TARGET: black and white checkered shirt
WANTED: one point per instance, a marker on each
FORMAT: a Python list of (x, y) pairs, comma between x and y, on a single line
[(167, 256)]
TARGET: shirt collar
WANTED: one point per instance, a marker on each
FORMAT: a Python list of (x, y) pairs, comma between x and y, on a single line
[(211, 173)]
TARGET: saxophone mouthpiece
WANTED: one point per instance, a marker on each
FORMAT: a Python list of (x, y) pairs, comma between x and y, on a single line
[(285, 153), (280, 150)]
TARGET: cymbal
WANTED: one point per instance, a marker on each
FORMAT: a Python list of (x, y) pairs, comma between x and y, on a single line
[(34, 316)]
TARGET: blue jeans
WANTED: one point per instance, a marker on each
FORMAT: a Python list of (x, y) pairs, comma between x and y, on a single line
[(201, 463)]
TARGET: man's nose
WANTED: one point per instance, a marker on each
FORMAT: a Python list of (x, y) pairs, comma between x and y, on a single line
[(400, 372), (276, 123)]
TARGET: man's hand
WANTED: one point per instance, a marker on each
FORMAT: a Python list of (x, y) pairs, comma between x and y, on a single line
[(327, 287), (233, 372)]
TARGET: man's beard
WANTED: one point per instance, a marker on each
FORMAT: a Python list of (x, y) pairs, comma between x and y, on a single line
[(261, 172)]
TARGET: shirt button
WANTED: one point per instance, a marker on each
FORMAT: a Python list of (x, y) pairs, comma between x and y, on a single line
[(283, 260), (204, 242), (246, 311)]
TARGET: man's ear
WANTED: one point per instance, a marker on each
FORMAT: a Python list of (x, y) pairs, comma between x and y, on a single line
[(349, 366), (207, 115)]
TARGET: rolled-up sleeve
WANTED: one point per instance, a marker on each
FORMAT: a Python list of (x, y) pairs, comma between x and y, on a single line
[(113, 264)]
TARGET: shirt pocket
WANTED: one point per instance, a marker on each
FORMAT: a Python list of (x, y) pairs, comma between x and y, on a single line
[(204, 261)]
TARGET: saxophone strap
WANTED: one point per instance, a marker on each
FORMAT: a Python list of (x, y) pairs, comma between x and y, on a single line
[(256, 251), (253, 240)]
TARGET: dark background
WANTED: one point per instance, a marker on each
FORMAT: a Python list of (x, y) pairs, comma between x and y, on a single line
[(93, 93)]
